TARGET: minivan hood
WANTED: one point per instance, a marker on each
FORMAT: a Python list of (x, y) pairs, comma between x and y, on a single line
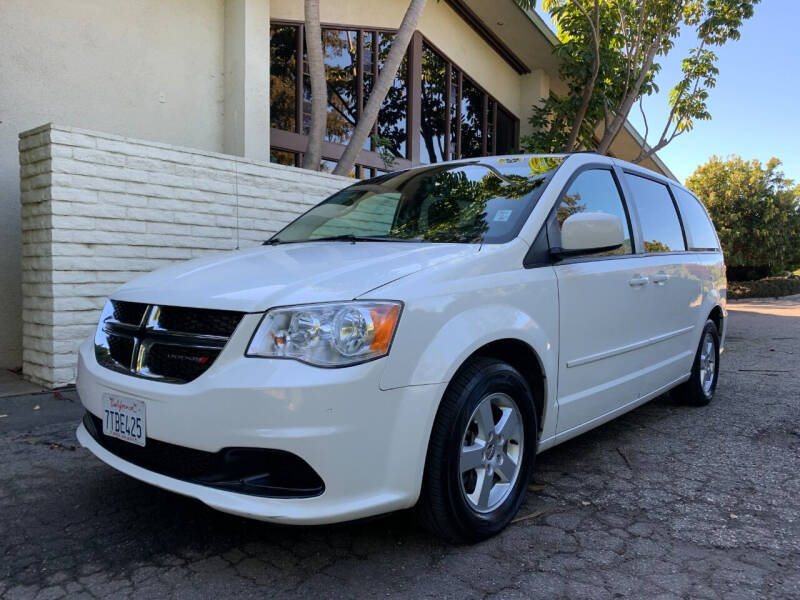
[(256, 279)]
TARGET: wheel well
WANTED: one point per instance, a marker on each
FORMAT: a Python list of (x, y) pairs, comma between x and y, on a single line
[(525, 360), (716, 316)]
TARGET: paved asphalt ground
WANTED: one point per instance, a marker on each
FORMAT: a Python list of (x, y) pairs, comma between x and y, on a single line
[(665, 502)]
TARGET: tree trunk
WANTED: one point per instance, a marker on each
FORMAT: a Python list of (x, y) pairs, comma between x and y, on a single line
[(586, 98), (319, 92), (385, 79), (588, 89), (621, 114)]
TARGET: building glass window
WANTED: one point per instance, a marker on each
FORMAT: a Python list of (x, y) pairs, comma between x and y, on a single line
[(340, 55), (283, 77), (455, 118), (471, 120), (491, 115), (478, 125), (393, 114), (282, 157), (506, 128), (327, 165), (434, 107)]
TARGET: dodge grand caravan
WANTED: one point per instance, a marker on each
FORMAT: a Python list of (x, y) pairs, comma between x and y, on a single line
[(414, 340)]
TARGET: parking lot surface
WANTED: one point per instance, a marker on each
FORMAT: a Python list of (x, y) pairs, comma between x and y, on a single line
[(667, 501)]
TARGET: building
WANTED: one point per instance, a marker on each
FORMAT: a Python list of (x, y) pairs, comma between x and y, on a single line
[(218, 79)]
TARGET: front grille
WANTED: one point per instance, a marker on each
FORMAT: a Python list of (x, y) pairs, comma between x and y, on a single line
[(204, 322), (180, 362), (120, 348), (254, 471), (129, 313), (169, 343)]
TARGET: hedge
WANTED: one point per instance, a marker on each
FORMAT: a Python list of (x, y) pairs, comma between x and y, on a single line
[(769, 287)]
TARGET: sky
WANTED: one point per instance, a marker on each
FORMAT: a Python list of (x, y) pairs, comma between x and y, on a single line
[(755, 106)]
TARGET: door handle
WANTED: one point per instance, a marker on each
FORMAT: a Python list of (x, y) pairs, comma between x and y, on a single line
[(660, 278), (639, 280)]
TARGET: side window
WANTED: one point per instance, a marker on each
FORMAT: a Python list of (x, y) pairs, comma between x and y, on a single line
[(661, 228), (700, 230), (595, 190)]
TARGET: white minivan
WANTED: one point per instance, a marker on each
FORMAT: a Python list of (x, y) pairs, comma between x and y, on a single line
[(414, 340)]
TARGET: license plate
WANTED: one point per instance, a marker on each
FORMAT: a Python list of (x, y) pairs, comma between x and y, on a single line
[(124, 419)]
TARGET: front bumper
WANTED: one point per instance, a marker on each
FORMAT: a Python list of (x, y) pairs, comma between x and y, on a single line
[(367, 445)]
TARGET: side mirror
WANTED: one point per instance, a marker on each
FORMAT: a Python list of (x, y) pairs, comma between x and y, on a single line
[(589, 233)]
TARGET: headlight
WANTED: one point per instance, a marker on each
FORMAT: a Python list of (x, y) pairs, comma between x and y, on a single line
[(327, 335)]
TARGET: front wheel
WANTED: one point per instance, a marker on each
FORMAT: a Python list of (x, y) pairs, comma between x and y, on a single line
[(481, 452), (702, 383)]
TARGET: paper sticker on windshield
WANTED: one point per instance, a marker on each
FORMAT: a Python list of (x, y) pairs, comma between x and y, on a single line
[(502, 215)]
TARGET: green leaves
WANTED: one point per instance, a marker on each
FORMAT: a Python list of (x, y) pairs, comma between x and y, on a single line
[(756, 210), (627, 37), (722, 20)]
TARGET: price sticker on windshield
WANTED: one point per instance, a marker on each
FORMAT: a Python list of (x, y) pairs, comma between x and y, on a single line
[(502, 215)]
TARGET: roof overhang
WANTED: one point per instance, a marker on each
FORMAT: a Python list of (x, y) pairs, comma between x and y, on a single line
[(523, 31)]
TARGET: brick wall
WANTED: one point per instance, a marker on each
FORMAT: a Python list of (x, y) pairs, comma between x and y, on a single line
[(99, 209)]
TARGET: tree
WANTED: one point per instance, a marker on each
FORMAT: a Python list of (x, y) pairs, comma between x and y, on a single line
[(381, 88), (383, 96), (756, 211), (316, 70), (608, 51)]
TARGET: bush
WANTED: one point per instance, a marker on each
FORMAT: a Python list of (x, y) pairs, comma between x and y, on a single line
[(770, 287), (748, 274), (756, 211)]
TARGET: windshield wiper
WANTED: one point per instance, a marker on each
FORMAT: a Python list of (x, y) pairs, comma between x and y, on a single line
[(346, 237), (349, 237)]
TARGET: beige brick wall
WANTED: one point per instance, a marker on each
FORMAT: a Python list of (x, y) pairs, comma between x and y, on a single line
[(99, 209)]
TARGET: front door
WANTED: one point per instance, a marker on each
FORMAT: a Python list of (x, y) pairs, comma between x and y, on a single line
[(603, 312)]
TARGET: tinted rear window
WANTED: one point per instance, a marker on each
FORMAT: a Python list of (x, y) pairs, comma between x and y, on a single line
[(700, 231), (660, 225)]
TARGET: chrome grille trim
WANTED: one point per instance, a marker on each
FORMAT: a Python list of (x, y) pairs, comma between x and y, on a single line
[(191, 353)]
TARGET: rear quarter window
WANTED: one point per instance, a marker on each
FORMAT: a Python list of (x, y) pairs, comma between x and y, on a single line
[(700, 230)]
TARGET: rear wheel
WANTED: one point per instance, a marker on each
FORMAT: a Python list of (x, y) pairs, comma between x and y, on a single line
[(481, 452), (702, 383)]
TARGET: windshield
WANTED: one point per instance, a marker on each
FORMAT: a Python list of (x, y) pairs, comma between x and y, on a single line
[(485, 200)]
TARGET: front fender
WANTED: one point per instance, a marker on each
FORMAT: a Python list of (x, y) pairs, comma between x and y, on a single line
[(468, 331), (441, 332)]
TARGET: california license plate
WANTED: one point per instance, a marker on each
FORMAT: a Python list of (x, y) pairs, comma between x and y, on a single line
[(124, 419)]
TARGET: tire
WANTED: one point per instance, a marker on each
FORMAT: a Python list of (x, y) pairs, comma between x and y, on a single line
[(453, 502), (698, 390)]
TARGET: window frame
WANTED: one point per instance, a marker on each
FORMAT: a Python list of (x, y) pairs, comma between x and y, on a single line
[(690, 247), (369, 160), (451, 67), (296, 141), (632, 201), (539, 253)]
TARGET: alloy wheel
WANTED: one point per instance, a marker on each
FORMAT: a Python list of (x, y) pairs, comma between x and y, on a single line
[(491, 452), (708, 364)]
